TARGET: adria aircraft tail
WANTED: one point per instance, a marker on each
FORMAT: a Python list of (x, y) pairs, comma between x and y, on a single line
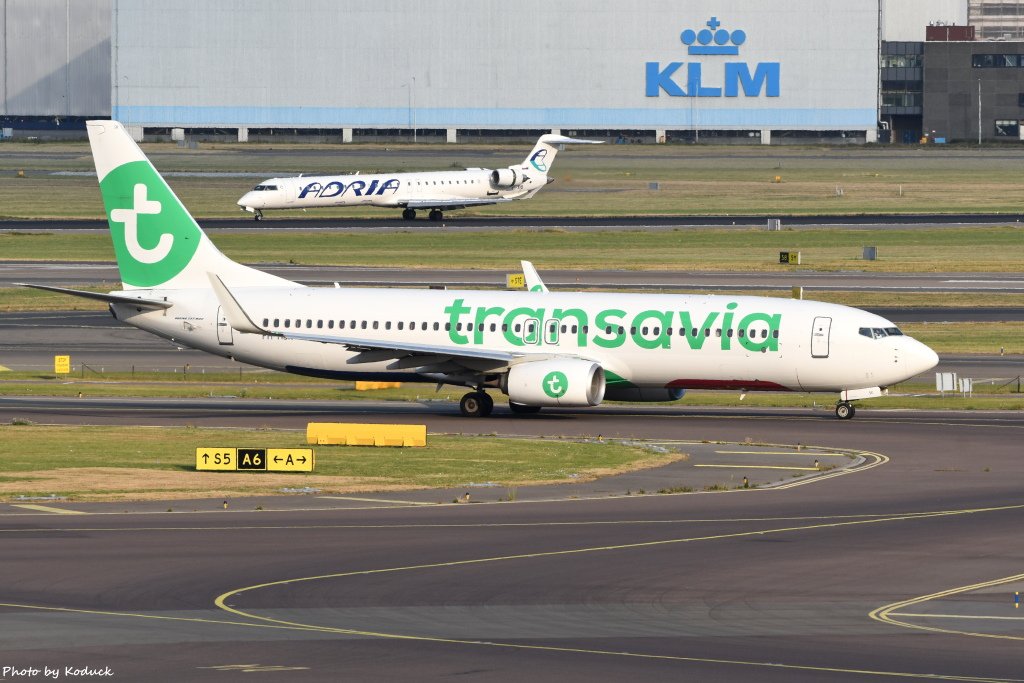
[(156, 241), (542, 156)]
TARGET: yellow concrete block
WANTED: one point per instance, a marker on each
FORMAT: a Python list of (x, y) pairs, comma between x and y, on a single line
[(350, 434), (369, 386)]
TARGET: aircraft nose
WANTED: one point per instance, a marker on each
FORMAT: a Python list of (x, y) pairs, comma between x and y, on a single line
[(921, 358), (247, 200)]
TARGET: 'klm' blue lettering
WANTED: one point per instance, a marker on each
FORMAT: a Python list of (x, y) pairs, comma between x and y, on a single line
[(766, 77)]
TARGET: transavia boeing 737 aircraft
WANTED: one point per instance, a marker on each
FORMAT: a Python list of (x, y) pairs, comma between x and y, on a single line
[(436, 191), (541, 348)]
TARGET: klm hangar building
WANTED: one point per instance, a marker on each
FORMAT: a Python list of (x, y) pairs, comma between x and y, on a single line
[(657, 70)]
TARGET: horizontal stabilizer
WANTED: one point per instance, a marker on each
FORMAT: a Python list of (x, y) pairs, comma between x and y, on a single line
[(99, 296)]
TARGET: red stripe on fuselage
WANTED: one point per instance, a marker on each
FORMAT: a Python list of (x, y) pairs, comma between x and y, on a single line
[(731, 384)]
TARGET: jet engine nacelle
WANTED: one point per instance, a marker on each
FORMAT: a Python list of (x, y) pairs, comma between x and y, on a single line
[(506, 178), (557, 382), (638, 395)]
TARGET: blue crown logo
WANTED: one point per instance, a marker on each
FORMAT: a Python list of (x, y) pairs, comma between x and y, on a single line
[(718, 36)]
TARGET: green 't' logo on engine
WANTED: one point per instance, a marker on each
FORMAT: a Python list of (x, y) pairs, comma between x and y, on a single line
[(154, 236), (555, 384)]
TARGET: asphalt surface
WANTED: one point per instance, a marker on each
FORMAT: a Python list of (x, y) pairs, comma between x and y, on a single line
[(65, 274), (390, 222), (903, 570)]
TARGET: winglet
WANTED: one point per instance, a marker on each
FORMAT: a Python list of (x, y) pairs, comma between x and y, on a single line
[(233, 311), (533, 281)]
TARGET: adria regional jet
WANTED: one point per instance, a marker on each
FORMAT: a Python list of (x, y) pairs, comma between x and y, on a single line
[(436, 191)]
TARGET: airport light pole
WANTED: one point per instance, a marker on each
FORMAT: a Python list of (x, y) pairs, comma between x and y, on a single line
[(979, 112)]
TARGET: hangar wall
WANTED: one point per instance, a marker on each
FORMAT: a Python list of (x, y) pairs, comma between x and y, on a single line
[(56, 58), (653, 64)]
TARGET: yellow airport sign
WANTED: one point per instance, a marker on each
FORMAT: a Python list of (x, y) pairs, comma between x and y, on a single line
[(224, 459), (290, 460), (515, 281), (255, 459), (61, 365)]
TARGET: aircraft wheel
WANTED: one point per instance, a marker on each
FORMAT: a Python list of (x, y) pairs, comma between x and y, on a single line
[(409, 214), (522, 408), (436, 215), (845, 411), (476, 404), (257, 216)]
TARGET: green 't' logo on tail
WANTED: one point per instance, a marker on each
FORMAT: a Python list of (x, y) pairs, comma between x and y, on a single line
[(154, 235)]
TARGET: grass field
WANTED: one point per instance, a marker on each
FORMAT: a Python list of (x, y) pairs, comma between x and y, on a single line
[(121, 463), (607, 180), (899, 249)]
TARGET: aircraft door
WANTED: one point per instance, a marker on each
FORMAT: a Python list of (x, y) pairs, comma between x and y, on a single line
[(225, 335), (819, 337)]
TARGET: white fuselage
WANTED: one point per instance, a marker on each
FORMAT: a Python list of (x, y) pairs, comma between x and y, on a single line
[(656, 341), (386, 190)]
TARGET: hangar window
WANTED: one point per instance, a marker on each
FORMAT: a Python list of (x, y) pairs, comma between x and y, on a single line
[(1008, 128)]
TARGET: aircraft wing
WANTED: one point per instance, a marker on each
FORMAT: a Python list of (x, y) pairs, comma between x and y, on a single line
[(452, 203)]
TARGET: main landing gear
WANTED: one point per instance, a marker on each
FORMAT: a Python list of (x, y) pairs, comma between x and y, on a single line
[(410, 215), (476, 404), (845, 410)]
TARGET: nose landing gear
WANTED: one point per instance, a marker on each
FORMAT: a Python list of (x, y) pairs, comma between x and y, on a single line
[(845, 410)]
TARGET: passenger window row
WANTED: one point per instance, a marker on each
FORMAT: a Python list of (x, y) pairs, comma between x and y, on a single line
[(287, 323)]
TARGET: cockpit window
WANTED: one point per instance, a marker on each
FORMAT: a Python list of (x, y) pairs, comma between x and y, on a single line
[(879, 332), (264, 188)]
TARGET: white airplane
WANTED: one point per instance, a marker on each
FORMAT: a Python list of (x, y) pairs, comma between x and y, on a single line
[(437, 191), (541, 348)]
